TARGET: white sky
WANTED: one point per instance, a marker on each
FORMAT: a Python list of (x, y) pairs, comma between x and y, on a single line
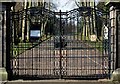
[(65, 5)]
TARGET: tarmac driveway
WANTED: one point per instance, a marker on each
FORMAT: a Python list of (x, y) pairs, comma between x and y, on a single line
[(76, 59)]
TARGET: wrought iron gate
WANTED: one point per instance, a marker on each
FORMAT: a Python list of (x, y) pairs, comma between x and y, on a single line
[(47, 44)]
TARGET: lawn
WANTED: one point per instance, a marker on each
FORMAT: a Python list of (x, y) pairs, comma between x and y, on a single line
[(97, 45), (23, 46), (92, 44)]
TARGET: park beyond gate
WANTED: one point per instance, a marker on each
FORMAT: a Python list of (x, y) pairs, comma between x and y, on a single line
[(60, 45)]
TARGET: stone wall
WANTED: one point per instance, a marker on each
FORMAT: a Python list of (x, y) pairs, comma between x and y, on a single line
[(114, 7), (113, 37), (115, 33), (19, 6), (118, 38), (0, 35), (4, 35)]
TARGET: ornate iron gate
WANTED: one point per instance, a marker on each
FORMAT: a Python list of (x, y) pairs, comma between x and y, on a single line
[(47, 44)]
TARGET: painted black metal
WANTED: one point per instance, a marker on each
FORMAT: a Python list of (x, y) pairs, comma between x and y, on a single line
[(63, 50), (8, 42), (3, 43)]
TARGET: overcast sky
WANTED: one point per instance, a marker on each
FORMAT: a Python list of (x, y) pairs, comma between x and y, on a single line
[(65, 5)]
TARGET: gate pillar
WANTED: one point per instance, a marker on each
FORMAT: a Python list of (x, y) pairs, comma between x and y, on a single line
[(3, 73), (115, 38), (4, 9)]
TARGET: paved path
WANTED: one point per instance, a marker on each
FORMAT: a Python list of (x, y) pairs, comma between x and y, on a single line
[(77, 60), (63, 82)]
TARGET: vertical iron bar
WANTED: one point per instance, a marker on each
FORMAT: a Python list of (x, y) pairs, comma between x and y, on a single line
[(85, 28), (60, 75), (92, 21), (66, 38), (15, 22), (18, 45), (53, 57), (32, 60), (109, 52), (117, 52)]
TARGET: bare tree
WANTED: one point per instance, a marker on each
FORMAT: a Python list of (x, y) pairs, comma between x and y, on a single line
[(88, 21)]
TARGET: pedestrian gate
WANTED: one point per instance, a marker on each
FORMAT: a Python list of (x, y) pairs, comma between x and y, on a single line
[(66, 45)]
